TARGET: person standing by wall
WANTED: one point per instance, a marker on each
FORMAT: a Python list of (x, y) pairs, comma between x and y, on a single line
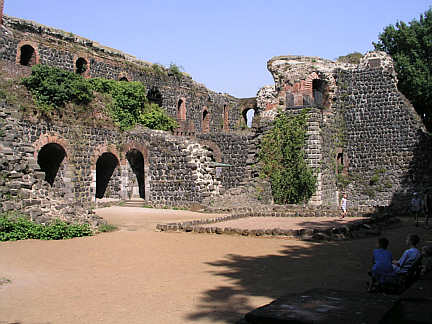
[(343, 206)]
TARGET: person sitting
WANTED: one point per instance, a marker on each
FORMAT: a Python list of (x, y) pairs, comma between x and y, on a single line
[(409, 258), (382, 269)]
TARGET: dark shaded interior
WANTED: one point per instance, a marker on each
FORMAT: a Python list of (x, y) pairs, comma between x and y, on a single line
[(49, 159), (28, 57), (124, 79), (318, 87), (105, 167), (136, 161), (154, 96), (81, 65)]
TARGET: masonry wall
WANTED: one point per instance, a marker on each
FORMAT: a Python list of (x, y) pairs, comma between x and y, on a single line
[(177, 171), (57, 48), (384, 141), (372, 144)]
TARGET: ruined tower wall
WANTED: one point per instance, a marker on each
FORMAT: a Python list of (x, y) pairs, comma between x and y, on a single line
[(372, 143)]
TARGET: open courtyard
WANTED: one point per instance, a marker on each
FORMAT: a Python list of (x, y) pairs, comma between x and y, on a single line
[(138, 275)]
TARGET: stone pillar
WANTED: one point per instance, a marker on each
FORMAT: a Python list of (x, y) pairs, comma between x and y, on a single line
[(1, 11)]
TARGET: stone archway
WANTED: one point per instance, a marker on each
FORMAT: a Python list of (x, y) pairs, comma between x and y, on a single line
[(27, 54), (50, 158), (106, 164), (136, 162), (181, 109), (248, 116), (81, 66)]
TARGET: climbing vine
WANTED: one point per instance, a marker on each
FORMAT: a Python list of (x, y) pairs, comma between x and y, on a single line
[(283, 162)]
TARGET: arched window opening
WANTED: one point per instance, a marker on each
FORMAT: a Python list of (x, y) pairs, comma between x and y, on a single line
[(136, 162), (318, 90), (27, 55), (225, 118), (81, 65), (205, 121), (248, 115), (105, 167), (181, 110), (124, 79), (341, 162), (49, 159), (154, 96)]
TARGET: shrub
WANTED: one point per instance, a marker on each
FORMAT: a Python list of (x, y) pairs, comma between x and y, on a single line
[(130, 105), (53, 87), (175, 70), (103, 228), (13, 228), (282, 159)]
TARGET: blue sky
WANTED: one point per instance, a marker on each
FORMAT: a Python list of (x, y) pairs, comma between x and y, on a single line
[(224, 44)]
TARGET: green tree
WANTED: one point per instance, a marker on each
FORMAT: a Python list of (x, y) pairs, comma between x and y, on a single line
[(283, 160), (410, 46)]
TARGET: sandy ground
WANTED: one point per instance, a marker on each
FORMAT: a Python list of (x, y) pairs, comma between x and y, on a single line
[(137, 275)]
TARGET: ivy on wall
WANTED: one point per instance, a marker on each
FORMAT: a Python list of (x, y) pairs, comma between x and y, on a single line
[(283, 162)]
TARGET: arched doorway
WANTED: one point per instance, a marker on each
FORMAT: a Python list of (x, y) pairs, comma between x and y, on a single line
[(105, 167), (27, 55), (154, 96), (50, 158), (205, 121), (248, 115), (181, 109), (136, 162), (124, 79), (81, 66)]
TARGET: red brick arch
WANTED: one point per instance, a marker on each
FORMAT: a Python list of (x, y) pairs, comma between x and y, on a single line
[(48, 138), (104, 148), (181, 109), (35, 47), (307, 88)]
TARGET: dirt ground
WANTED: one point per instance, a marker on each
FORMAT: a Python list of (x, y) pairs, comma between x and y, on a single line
[(138, 275)]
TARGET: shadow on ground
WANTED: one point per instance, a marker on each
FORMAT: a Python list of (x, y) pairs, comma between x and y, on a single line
[(339, 265)]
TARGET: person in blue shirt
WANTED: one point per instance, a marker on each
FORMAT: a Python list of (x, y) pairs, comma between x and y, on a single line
[(382, 268), (409, 257)]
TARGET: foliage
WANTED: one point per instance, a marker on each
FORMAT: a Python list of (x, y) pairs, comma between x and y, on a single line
[(130, 105), (154, 117), (103, 228), (410, 46), (14, 228), (175, 70), (353, 58), (52, 87), (283, 160)]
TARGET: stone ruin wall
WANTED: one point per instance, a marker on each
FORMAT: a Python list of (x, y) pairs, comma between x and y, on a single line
[(179, 170), (372, 143)]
